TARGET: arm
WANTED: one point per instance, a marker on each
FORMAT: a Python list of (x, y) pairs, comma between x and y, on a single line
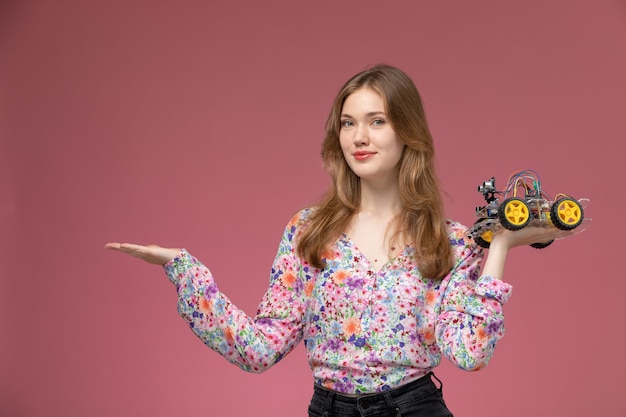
[(253, 344), (505, 240), (471, 320)]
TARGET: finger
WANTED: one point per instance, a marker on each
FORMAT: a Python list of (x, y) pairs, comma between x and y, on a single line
[(121, 247), (117, 245), (138, 251), (132, 246)]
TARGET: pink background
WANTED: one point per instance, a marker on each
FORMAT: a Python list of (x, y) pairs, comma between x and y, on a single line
[(198, 124)]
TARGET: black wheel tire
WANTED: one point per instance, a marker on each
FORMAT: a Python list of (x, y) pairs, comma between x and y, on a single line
[(541, 245), (575, 211), (504, 209), (480, 241)]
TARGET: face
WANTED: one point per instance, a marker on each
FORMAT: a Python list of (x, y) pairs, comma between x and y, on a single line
[(369, 143)]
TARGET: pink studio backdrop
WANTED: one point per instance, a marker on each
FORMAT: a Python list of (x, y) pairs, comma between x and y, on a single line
[(198, 124)]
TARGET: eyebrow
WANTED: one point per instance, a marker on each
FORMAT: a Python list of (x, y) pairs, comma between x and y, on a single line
[(369, 114)]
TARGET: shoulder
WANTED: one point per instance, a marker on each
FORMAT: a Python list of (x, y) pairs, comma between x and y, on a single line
[(299, 222), (455, 229), (301, 218), (459, 237), (465, 250)]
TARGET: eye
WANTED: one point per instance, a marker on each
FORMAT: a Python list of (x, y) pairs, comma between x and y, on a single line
[(378, 122), (346, 123)]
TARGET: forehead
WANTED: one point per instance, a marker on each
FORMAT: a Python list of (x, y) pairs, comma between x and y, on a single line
[(365, 99)]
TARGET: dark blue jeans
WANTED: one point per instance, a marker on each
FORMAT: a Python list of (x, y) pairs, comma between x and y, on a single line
[(420, 398)]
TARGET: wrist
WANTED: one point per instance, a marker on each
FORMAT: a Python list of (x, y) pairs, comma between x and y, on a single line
[(500, 243), (496, 258)]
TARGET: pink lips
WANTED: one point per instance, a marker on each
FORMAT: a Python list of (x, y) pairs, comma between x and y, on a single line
[(363, 155)]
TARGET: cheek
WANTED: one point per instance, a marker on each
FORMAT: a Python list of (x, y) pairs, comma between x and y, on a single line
[(397, 154), (396, 146), (344, 143)]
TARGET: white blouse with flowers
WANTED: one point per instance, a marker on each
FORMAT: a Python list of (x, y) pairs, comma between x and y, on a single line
[(365, 331)]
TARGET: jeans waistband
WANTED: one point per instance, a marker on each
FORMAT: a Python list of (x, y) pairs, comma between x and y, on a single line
[(394, 393)]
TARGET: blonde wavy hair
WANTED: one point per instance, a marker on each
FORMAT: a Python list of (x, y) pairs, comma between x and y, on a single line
[(421, 220)]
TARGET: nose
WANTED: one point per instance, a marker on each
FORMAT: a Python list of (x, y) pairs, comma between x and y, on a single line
[(361, 136)]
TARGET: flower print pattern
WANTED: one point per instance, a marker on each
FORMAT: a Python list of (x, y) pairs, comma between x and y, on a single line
[(365, 331)]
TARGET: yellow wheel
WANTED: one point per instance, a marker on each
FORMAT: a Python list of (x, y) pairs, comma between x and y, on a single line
[(514, 213), (566, 213), (484, 239)]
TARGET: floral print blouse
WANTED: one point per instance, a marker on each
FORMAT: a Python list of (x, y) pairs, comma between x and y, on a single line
[(365, 331)]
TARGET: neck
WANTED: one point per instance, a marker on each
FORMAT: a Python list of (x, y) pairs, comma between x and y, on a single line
[(381, 199)]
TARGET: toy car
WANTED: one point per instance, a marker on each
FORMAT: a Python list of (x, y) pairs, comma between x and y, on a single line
[(523, 202)]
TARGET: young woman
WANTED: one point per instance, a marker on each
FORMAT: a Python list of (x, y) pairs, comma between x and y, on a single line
[(375, 279)]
